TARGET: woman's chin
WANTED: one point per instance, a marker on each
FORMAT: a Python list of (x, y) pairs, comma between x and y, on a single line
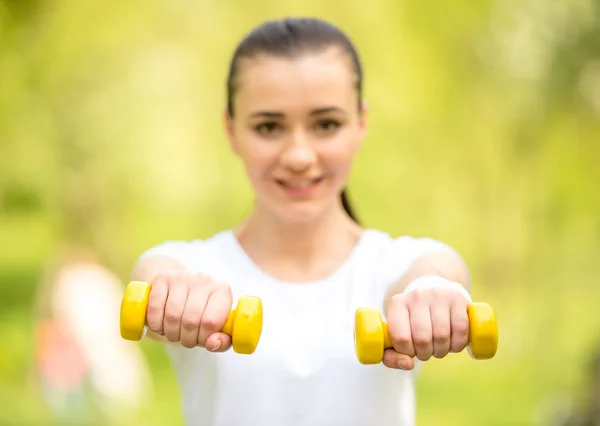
[(301, 212)]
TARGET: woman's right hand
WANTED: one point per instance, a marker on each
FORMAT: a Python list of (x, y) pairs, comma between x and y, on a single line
[(190, 308)]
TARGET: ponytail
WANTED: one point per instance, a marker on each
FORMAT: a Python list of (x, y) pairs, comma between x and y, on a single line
[(347, 206)]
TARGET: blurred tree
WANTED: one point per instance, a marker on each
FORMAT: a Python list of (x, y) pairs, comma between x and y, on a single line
[(483, 132)]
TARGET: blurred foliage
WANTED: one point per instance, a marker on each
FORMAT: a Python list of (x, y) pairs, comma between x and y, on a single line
[(484, 132)]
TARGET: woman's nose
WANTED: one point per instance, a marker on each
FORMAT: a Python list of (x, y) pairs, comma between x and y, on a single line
[(299, 155)]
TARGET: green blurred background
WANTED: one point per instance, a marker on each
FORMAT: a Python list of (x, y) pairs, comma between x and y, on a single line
[(484, 132)]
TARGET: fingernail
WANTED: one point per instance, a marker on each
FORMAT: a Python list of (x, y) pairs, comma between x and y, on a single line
[(403, 364), (216, 346)]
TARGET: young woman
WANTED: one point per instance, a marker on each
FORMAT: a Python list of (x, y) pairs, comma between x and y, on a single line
[(296, 118)]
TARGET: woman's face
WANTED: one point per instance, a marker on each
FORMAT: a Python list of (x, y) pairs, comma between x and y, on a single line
[(297, 129)]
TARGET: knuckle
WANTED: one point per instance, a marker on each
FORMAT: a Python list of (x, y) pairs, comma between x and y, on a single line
[(461, 327), (421, 339), (155, 305), (419, 297), (210, 323), (438, 294), (167, 275), (223, 286), (173, 316), (159, 287), (189, 322), (398, 299), (153, 318), (401, 338), (200, 278), (458, 298), (441, 336), (416, 295), (441, 339), (160, 278)]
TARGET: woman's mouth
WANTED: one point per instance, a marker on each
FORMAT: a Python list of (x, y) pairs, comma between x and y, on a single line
[(299, 188)]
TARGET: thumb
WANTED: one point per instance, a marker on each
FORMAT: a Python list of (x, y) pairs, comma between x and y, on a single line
[(218, 342), (396, 360)]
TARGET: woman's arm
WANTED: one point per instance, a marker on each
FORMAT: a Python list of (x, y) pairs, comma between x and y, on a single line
[(448, 265), (432, 320)]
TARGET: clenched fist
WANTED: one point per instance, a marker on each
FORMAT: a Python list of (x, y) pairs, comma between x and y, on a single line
[(426, 322), (190, 308)]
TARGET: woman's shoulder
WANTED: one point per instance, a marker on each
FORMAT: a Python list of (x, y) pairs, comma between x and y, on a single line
[(393, 255), (402, 244)]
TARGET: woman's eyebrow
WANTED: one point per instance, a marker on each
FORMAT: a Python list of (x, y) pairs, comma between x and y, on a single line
[(267, 114)]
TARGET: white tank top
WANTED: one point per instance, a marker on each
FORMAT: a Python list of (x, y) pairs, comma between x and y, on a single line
[(304, 371)]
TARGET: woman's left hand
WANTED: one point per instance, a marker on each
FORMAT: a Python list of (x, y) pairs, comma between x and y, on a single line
[(424, 323)]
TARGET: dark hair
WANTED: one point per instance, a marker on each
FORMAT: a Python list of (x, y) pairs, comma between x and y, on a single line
[(291, 37)]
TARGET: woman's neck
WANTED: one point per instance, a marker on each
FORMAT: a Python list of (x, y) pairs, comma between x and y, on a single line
[(299, 251)]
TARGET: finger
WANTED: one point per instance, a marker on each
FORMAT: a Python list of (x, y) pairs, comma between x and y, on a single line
[(459, 325), (215, 314), (393, 359), (178, 293), (155, 312), (218, 342), (192, 314), (440, 323), (422, 334), (399, 326)]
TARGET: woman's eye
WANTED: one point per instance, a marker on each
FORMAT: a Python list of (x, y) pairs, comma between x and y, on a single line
[(327, 125), (267, 128)]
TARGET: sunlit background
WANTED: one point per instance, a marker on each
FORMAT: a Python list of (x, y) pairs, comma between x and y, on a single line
[(484, 132)]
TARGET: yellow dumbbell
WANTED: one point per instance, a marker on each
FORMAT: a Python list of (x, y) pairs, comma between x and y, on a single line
[(244, 324), (371, 336)]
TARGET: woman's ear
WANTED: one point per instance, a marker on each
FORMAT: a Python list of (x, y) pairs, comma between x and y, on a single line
[(229, 131), (362, 121)]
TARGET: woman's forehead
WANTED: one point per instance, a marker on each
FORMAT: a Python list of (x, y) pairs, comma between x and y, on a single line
[(324, 77)]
